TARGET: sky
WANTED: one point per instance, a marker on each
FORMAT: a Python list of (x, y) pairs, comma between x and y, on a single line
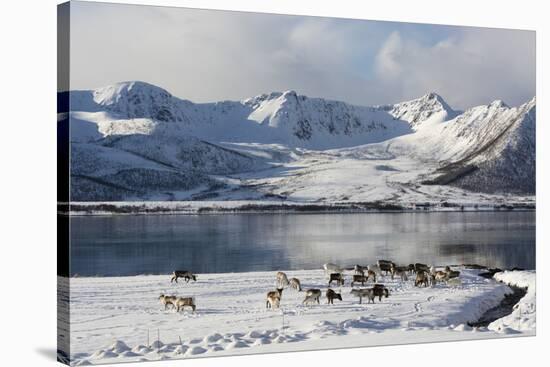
[(207, 55)]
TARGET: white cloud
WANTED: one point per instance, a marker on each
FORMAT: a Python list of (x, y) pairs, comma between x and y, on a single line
[(474, 66), (213, 55)]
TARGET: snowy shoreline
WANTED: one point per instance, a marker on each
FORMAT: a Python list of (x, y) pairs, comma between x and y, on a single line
[(523, 316), (275, 207), (120, 318)]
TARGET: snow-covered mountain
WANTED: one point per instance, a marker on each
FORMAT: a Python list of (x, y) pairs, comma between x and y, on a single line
[(283, 118), (133, 140), (502, 159)]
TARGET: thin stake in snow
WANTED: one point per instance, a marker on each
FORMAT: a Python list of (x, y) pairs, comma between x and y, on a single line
[(158, 340), (284, 325)]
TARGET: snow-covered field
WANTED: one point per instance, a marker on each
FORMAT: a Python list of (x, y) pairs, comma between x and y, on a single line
[(115, 319)]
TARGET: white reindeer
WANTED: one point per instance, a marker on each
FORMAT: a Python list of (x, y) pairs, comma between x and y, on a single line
[(282, 279), (167, 300), (181, 302)]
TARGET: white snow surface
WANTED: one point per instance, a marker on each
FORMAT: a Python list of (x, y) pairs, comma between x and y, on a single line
[(116, 319), (524, 316)]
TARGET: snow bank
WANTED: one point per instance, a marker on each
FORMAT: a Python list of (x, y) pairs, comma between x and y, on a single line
[(523, 317)]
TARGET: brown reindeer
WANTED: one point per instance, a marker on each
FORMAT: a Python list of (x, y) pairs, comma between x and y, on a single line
[(451, 273), (295, 283), (439, 276), (422, 278), (380, 290), (371, 274), (400, 271), (360, 270), (187, 275), (274, 298), (385, 265), (332, 295), (312, 295), (338, 277), (359, 279), (418, 267)]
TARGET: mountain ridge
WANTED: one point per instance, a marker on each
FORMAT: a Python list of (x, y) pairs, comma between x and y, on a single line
[(224, 143)]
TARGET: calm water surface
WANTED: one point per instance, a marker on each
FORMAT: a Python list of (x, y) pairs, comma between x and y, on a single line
[(157, 244)]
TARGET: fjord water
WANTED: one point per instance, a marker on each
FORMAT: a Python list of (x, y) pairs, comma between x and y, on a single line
[(159, 244)]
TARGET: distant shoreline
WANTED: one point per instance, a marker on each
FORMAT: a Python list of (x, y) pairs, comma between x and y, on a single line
[(266, 207)]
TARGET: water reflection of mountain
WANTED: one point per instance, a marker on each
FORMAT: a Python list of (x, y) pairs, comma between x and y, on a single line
[(504, 256), (234, 243)]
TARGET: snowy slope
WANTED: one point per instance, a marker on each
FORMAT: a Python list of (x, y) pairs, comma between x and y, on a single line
[(113, 174), (493, 150), (304, 149), (508, 164)]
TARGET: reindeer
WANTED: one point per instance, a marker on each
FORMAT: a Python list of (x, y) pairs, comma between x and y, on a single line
[(331, 295), (312, 295), (181, 302), (375, 269), (418, 267), (385, 265), (167, 300), (187, 275), (295, 283), (439, 276), (274, 298), (338, 277), (380, 290), (363, 292), (422, 278), (371, 275), (282, 279), (451, 273), (399, 270), (332, 268), (360, 270), (359, 279)]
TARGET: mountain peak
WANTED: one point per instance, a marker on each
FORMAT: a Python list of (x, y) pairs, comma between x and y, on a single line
[(137, 99), (129, 90), (498, 104), (432, 95), (436, 99), (290, 93), (416, 111)]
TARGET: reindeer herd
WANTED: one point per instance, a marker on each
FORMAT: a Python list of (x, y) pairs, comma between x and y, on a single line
[(424, 276)]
